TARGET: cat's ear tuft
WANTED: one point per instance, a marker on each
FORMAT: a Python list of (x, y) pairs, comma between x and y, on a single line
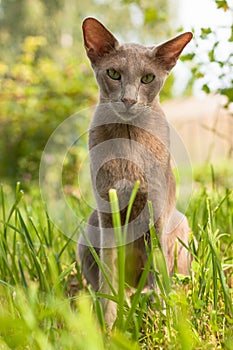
[(98, 40), (168, 52)]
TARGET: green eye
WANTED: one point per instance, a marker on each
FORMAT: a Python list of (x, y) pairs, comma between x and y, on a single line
[(113, 74), (148, 78)]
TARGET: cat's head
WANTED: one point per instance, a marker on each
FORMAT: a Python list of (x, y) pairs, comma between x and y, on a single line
[(129, 75)]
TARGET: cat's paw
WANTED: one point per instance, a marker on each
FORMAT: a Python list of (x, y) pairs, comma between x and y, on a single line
[(110, 313)]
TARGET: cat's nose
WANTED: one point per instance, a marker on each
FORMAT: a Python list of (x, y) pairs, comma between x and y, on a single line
[(129, 102)]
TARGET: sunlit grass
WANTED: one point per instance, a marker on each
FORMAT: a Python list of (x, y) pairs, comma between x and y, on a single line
[(45, 304)]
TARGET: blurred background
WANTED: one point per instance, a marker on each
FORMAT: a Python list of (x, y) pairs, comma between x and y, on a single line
[(45, 76)]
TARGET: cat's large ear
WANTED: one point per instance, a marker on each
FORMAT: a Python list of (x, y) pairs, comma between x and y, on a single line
[(168, 52), (98, 40)]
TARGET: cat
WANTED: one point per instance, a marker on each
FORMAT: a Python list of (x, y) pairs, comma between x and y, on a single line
[(129, 141)]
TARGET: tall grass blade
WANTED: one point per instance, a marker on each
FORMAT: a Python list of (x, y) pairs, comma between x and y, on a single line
[(216, 264), (158, 256), (99, 263), (130, 205), (139, 290), (26, 232), (98, 308), (24, 281), (3, 204), (120, 242), (120, 237)]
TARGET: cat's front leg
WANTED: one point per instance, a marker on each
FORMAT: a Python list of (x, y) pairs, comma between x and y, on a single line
[(108, 257), (109, 262), (89, 266), (177, 229)]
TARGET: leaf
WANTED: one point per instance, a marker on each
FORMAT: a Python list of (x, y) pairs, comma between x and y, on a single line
[(206, 88), (199, 75), (151, 15), (211, 56), (211, 53), (222, 4), (228, 92), (205, 32), (231, 37), (187, 57)]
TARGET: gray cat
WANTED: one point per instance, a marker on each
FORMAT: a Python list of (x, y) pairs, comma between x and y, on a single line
[(129, 141)]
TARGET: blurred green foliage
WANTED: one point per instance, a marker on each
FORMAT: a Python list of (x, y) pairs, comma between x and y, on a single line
[(45, 77), (60, 21), (37, 94), (212, 59)]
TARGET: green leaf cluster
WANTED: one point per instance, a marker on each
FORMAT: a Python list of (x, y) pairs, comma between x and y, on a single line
[(37, 93), (211, 55)]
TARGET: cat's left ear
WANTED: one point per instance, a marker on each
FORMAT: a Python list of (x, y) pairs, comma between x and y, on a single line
[(168, 52), (98, 40)]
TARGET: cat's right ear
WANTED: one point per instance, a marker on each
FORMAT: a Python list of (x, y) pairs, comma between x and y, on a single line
[(168, 52), (98, 40)]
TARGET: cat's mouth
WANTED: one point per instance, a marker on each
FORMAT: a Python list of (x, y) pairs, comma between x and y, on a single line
[(127, 113)]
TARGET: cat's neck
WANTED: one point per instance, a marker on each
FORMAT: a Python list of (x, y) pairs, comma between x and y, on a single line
[(156, 106)]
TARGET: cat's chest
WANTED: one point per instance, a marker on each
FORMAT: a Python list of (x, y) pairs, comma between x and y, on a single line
[(112, 131), (126, 141), (125, 152)]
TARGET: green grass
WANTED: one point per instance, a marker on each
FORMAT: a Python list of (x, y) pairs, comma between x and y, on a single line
[(44, 303)]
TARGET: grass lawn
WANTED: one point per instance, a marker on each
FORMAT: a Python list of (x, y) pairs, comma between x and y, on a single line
[(45, 304)]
